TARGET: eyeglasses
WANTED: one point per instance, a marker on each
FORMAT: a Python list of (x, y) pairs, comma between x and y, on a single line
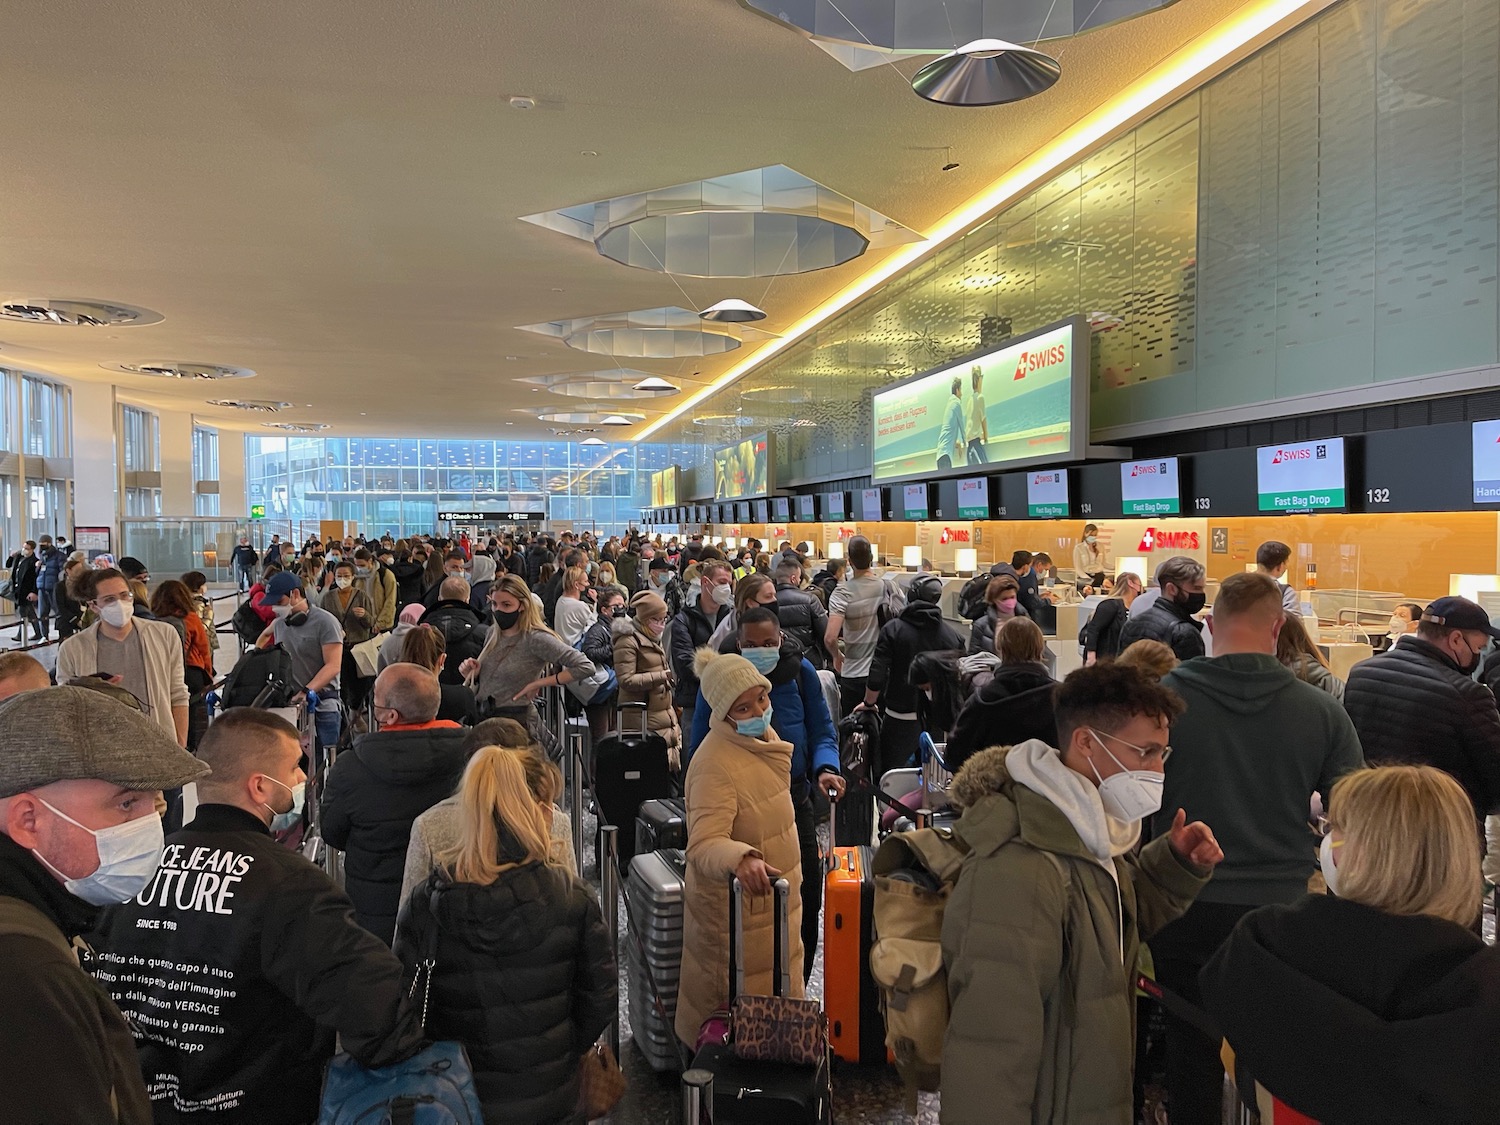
[(1151, 753), (115, 599)]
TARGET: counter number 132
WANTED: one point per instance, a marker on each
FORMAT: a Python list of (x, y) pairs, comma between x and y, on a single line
[(1378, 495)]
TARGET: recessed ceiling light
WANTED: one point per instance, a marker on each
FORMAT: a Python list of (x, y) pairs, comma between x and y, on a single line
[(261, 405), (520, 101), (77, 313), (177, 369), (297, 427)]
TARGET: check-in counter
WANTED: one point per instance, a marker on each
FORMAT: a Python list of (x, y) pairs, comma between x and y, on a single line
[(1344, 655)]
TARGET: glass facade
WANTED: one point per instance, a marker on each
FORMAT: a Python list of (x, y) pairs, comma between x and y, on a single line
[(400, 484), (141, 436), (205, 468), (39, 502), (1323, 217)]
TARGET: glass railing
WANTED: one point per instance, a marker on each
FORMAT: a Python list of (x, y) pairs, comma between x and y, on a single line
[(170, 547)]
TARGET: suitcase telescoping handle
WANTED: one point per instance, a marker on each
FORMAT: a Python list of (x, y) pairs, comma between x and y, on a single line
[(781, 979), (639, 708)]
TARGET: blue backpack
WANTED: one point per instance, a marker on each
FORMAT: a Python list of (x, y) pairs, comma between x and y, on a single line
[(433, 1087)]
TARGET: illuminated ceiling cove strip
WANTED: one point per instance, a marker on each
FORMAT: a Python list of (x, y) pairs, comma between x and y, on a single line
[(1177, 75)]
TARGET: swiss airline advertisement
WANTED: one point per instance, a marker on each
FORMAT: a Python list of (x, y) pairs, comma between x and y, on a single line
[(1304, 476), (1013, 406), (1149, 488), (1487, 462)]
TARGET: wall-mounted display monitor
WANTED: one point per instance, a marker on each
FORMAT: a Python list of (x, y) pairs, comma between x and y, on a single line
[(974, 498), (1047, 494), (1023, 404), (871, 510), (916, 502), (743, 469), (781, 508), (835, 506), (1150, 488), (760, 511), (1304, 476), (807, 509), (741, 511), (1486, 437), (664, 487)]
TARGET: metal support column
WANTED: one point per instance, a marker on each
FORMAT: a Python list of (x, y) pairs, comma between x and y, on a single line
[(609, 902)]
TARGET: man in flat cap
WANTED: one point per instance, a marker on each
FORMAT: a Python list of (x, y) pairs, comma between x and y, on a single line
[(80, 775)]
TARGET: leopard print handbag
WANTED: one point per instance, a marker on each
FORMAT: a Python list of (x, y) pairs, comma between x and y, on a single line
[(772, 1028)]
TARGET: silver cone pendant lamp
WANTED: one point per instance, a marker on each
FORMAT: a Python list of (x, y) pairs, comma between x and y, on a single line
[(593, 441), (655, 385), (732, 311), (986, 72)]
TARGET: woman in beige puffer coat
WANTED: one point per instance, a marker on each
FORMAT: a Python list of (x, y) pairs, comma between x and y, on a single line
[(644, 672), (740, 822)]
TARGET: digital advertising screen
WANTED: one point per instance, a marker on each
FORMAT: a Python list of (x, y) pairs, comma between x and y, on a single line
[(1486, 462), (664, 488), (974, 498), (1022, 404), (743, 469), (915, 502), (870, 506), (835, 506), (807, 509), (1304, 476), (1150, 488), (1047, 494)]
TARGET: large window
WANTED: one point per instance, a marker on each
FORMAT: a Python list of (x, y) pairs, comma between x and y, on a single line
[(205, 468), (45, 411), (141, 434)]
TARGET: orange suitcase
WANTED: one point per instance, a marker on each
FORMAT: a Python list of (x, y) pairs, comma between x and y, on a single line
[(851, 999)]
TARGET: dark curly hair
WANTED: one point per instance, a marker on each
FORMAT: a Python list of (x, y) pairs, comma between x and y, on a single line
[(1107, 696)]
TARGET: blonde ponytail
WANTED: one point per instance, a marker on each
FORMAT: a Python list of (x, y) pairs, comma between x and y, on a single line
[(494, 792)]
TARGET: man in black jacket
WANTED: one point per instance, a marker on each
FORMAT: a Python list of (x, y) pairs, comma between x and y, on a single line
[(1418, 705), (1169, 618), (79, 781), (553, 588), (23, 588), (394, 775), (462, 628), (691, 629), (919, 628), (245, 558), (803, 617), (239, 962)]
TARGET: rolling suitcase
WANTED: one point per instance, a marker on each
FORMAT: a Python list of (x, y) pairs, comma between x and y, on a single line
[(630, 768), (751, 1092), (859, 736), (653, 953), (856, 1028), (661, 824)]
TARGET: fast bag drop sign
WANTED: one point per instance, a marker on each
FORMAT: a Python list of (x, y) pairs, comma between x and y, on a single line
[(1303, 476)]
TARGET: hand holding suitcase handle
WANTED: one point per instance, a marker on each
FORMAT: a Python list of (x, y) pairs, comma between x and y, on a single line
[(756, 875)]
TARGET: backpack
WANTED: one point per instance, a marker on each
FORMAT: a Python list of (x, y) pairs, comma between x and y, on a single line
[(971, 603), (247, 623), (892, 602), (596, 689), (915, 873), (433, 1087), (262, 677)]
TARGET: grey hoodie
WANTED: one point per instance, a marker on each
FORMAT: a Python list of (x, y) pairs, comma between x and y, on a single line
[(1253, 747)]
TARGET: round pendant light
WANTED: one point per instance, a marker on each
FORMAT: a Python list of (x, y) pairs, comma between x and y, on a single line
[(986, 72), (655, 385), (732, 311), (593, 441)]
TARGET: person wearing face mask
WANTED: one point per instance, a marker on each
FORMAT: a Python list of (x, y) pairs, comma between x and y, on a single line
[(1383, 983), (1403, 624), (482, 572), (462, 626), (1002, 604), (379, 584), (256, 961), (644, 673), (454, 566), (372, 794), (1253, 748), (919, 628), (662, 581), (574, 612), (79, 831), (1089, 559), (598, 644), (518, 659), (143, 657), (741, 822), (1418, 704), (1169, 618), (314, 641), (1043, 927), (696, 624), (23, 585), (802, 719), (750, 591), (1012, 705)]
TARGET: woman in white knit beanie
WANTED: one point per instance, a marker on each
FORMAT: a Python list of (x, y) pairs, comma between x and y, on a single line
[(741, 823)]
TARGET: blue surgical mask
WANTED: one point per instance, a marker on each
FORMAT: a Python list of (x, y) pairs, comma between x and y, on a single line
[(764, 659), (128, 857), (283, 821), (756, 727)]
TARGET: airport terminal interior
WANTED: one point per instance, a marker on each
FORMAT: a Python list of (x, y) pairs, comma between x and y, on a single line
[(1020, 310)]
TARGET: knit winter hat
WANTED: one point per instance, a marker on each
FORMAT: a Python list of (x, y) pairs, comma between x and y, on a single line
[(647, 604), (723, 678)]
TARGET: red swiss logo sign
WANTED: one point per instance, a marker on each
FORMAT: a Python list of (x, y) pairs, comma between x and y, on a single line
[(953, 535), (1303, 454), (1030, 361), (1168, 540)]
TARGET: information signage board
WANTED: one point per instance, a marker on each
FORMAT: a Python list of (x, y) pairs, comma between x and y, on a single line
[(1047, 494), (1304, 476), (1150, 488)]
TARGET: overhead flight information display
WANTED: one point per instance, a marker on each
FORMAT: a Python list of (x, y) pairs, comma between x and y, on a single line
[(974, 498), (1047, 494), (1486, 436), (869, 505), (1150, 488), (1304, 476)]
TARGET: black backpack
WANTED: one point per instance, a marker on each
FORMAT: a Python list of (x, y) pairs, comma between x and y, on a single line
[(247, 623), (464, 639), (971, 603), (262, 677)]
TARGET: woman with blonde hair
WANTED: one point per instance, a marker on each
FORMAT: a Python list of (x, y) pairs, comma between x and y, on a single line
[(1154, 658), (1377, 1002), (1101, 640), (518, 658), (508, 952), (574, 613), (608, 581), (1295, 649)]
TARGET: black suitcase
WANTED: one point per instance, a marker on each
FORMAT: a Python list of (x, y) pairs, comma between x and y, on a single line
[(661, 824), (859, 738), (630, 768), (764, 1093)]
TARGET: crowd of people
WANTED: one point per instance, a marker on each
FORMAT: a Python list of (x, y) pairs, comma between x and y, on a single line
[(1181, 793)]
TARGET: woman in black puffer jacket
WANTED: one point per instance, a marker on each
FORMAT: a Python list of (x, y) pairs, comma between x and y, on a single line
[(523, 976), (1015, 705)]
